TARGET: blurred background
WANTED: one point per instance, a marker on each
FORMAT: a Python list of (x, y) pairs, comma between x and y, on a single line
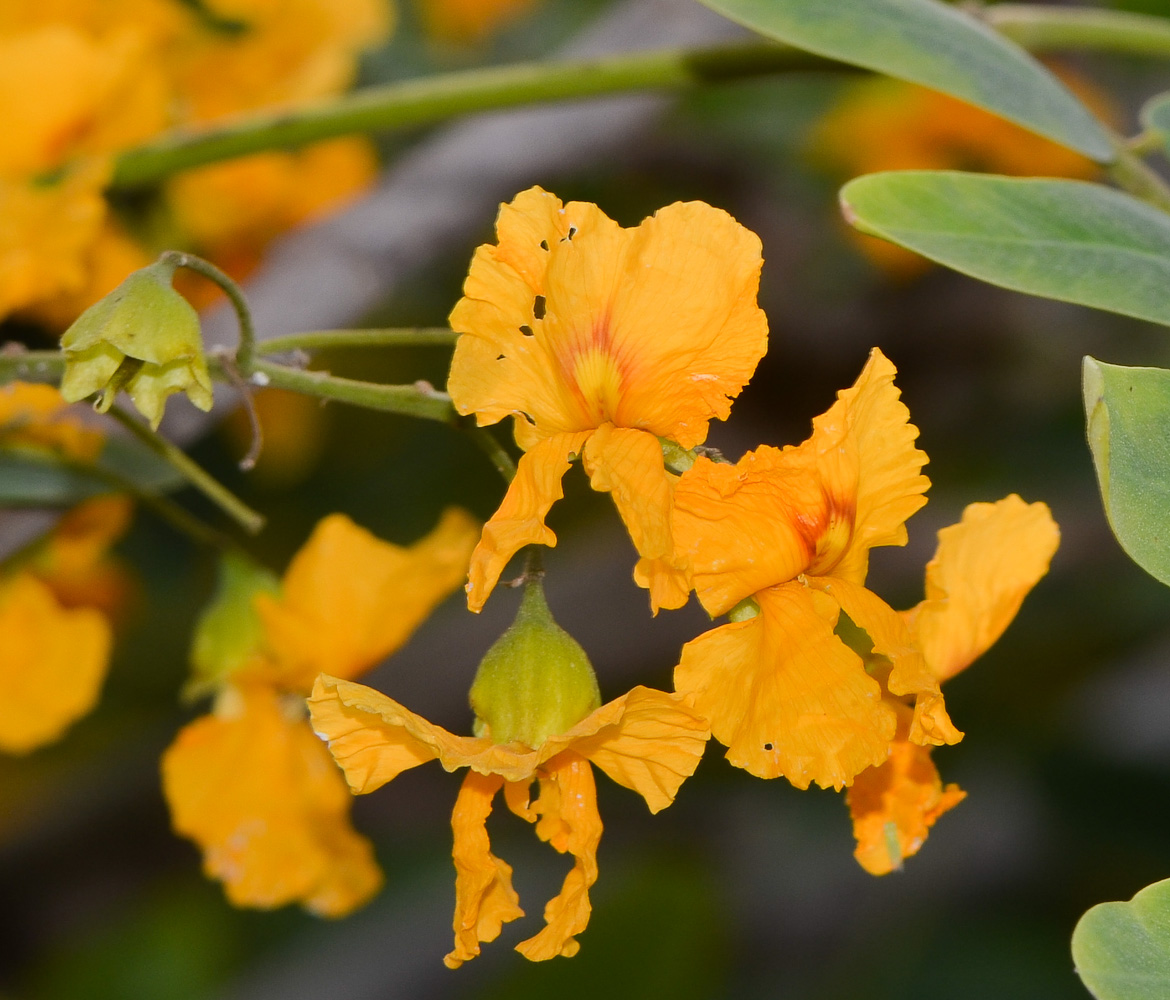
[(743, 888)]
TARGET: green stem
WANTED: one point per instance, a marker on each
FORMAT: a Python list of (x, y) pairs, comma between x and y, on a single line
[(246, 351), (208, 485), (491, 447), (38, 366), (418, 400), (320, 340), (441, 96), (1131, 172), (1044, 29)]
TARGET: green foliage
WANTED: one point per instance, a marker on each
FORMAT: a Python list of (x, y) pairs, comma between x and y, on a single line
[(1128, 412), (938, 46), (1122, 950), (1155, 117), (1065, 240)]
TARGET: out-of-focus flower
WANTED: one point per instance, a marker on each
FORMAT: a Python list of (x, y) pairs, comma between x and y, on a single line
[(538, 719), (598, 340), (143, 337), (984, 567), (249, 783), (469, 21), (781, 540), (293, 429), (35, 416), (886, 124)]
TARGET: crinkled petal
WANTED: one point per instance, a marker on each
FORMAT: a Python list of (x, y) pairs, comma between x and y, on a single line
[(743, 527), (894, 806), (647, 740), (258, 793), (349, 599), (52, 663), (484, 897), (520, 518), (628, 464), (892, 639), (668, 581), (570, 822), (786, 695), (982, 571)]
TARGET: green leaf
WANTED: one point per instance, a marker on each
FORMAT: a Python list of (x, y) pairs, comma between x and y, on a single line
[(938, 46), (1067, 240), (1127, 413), (1122, 950), (1155, 117)]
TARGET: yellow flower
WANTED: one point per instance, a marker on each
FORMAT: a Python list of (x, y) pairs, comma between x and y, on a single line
[(35, 416), (791, 529), (52, 663), (646, 740), (598, 340), (984, 567), (249, 783)]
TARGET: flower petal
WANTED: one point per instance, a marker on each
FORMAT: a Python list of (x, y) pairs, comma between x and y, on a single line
[(349, 599), (569, 820), (254, 788), (520, 518), (35, 415), (983, 569), (484, 897), (52, 663), (786, 695)]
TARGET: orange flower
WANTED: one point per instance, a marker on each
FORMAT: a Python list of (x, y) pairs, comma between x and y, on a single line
[(646, 740), (791, 529), (52, 663), (599, 340), (983, 568), (464, 21), (249, 783), (34, 415)]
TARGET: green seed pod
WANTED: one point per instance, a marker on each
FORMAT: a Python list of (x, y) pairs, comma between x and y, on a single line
[(535, 681), (143, 337)]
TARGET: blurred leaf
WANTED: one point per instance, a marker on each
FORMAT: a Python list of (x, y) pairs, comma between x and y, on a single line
[(33, 478), (1066, 240), (938, 46), (1155, 117), (1128, 416), (1122, 950)]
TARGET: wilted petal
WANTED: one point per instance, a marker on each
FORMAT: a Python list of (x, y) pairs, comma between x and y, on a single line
[(484, 897), (258, 792), (983, 568), (786, 695)]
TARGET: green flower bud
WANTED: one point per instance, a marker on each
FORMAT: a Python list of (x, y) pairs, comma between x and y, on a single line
[(143, 337), (535, 681), (229, 632)]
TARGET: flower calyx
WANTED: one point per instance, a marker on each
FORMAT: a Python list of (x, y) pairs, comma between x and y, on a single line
[(535, 681), (143, 337)]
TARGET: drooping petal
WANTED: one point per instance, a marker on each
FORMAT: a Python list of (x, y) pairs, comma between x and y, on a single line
[(743, 527), (668, 582), (570, 822), (258, 792), (787, 696), (484, 897), (894, 806), (349, 599), (52, 663), (983, 568), (889, 485), (892, 639), (647, 740), (520, 518)]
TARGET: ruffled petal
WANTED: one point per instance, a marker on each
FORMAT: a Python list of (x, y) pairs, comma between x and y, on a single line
[(982, 571), (787, 696), (570, 822), (894, 806), (520, 518), (258, 793), (892, 639), (52, 663), (349, 599), (668, 582), (484, 897)]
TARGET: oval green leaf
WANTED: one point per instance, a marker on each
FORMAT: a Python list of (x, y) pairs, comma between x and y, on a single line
[(1068, 240), (1127, 413), (1122, 950), (934, 44)]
